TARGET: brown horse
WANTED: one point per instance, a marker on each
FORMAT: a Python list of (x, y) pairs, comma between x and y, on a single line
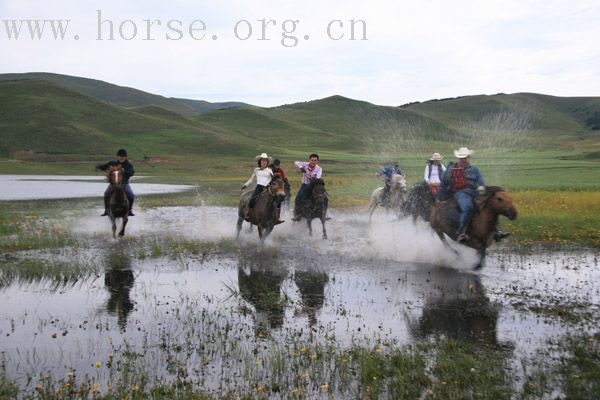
[(118, 204), (264, 213), (482, 226)]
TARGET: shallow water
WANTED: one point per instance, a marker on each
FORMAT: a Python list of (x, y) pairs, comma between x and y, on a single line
[(390, 282), (33, 187)]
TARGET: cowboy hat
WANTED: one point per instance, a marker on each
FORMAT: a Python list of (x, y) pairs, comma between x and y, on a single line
[(263, 155), (463, 152), (436, 157)]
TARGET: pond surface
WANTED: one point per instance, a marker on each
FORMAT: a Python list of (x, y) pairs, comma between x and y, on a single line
[(158, 290), (33, 187)]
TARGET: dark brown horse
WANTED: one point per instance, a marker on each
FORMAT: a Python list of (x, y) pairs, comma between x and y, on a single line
[(419, 202), (118, 204), (484, 220), (264, 213), (314, 205)]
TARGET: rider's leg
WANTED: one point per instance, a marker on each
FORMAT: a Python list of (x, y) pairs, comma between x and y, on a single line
[(107, 194), (464, 199), (257, 191), (298, 202), (130, 198)]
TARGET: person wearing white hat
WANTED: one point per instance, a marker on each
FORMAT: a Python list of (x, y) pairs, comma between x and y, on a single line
[(263, 175), (434, 171), (311, 171), (464, 182)]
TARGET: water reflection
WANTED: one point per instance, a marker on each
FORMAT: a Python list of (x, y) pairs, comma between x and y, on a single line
[(260, 276), (311, 285), (456, 307), (118, 279)]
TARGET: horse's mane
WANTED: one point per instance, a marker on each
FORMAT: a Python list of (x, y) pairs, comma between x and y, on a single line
[(317, 181), (489, 192)]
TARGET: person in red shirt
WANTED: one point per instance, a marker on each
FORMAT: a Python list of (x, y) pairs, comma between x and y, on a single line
[(278, 171)]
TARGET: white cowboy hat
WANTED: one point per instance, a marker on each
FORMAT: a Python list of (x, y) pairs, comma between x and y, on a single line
[(436, 157), (463, 152), (263, 155)]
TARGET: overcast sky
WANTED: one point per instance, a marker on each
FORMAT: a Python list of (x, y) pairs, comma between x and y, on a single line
[(414, 50)]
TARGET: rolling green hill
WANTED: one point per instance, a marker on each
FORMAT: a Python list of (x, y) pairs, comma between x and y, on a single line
[(123, 96), (46, 123)]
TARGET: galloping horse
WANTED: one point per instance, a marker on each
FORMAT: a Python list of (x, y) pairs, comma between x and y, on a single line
[(481, 228), (395, 198), (314, 205), (264, 213), (118, 204), (419, 202)]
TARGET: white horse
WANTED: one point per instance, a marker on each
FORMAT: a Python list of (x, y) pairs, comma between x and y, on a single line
[(398, 188)]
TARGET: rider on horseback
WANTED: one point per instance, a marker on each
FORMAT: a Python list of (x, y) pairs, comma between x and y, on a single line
[(463, 181), (263, 175), (128, 172), (387, 173), (311, 171), (434, 171)]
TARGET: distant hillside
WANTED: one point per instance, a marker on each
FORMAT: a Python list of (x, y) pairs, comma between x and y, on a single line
[(123, 96), (43, 121), (44, 118)]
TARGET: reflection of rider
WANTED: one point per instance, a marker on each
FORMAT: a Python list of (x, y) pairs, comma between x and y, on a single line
[(311, 171), (118, 280), (434, 171), (128, 172), (465, 183), (263, 175), (259, 281), (311, 285), (387, 173)]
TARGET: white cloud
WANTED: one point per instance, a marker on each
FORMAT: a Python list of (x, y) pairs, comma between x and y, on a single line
[(415, 50)]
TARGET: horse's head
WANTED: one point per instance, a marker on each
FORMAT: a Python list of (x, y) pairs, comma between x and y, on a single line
[(319, 194), (498, 200), (399, 183), (277, 187), (115, 175)]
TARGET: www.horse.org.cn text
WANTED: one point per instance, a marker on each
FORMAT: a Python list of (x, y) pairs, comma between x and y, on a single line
[(287, 32)]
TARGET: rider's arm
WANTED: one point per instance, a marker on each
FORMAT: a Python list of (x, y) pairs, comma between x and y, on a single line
[(426, 174), (103, 167), (252, 177), (318, 172)]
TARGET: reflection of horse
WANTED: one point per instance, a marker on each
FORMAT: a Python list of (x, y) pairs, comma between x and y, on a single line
[(264, 213), (482, 226), (118, 280), (419, 202), (456, 307), (395, 198), (118, 204), (259, 280), (314, 204), (311, 285)]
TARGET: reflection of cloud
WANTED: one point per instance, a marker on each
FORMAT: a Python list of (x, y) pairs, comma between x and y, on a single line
[(118, 279), (259, 279)]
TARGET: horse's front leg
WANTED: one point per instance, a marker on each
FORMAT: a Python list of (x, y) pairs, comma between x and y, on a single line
[(260, 233), (309, 223), (324, 230), (125, 220), (113, 220)]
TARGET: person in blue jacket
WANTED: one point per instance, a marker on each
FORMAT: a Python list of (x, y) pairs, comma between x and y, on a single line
[(387, 173)]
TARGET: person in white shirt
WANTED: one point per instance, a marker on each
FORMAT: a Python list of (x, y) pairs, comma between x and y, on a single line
[(263, 175), (434, 171)]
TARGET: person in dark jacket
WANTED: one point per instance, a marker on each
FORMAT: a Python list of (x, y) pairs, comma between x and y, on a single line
[(128, 172)]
